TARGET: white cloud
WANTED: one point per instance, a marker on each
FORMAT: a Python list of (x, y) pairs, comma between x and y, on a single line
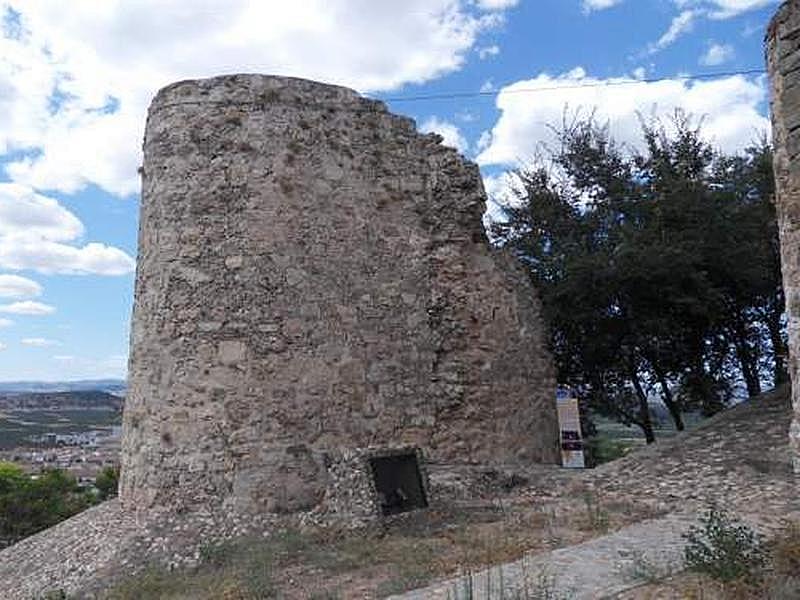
[(593, 5), (717, 54), (680, 25), (22, 211), (39, 342), (725, 9), (501, 187), (483, 141), (3, 346), (451, 133), (465, 116), (14, 286), (497, 4), (751, 29), (692, 10), (82, 75), (729, 107), (487, 51), (27, 307), (37, 233), (109, 155), (51, 257), (6, 322), (487, 86), (64, 357)]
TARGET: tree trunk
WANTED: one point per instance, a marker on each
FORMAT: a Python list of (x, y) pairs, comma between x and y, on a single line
[(669, 400), (780, 352), (749, 371), (645, 420), (748, 359), (666, 394)]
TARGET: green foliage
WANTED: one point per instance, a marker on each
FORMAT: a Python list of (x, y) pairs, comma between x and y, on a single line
[(600, 449), (658, 269), (11, 477), (724, 548), (107, 483), (28, 505)]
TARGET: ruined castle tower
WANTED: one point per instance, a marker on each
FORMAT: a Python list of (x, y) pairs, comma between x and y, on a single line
[(783, 58), (313, 275)]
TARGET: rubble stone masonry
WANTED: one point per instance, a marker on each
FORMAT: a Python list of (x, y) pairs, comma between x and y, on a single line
[(783, 58), (313, 276)]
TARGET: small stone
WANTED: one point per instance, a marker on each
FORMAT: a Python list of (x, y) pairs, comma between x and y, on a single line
[(234, 262), (231, 352)]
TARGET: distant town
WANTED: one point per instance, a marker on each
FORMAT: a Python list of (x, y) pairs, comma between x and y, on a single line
[(76, 431)]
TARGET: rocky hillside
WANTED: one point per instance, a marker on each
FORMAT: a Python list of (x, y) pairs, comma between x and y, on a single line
[(61, 401)]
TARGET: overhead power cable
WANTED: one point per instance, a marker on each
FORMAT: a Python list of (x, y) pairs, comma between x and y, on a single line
[(551, 88)]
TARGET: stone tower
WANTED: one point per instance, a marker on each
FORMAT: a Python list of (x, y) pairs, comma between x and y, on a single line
[(313, 276), (783, 58)]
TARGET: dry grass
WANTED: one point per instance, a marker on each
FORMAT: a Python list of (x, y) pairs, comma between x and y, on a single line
[(406, 554)]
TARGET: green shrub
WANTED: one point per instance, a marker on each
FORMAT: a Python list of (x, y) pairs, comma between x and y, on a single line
[(107, 483), (603, 449), (724, 548), (29, 504)]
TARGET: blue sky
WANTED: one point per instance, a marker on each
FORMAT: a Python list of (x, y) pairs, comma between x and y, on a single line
[(76, 78)]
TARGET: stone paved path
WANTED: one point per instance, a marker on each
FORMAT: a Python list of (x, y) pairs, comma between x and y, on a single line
[(65, 556), (739, 459), (595, 569), (81, 555)]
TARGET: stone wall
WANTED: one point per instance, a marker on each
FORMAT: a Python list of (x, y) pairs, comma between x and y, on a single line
[(313, 276), (783, 58), (351, 498)]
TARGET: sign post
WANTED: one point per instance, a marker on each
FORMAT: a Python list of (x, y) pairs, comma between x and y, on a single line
[(569, 424)]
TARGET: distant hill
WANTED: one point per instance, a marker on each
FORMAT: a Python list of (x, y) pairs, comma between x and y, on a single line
[(85, 400), (112, 386)]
